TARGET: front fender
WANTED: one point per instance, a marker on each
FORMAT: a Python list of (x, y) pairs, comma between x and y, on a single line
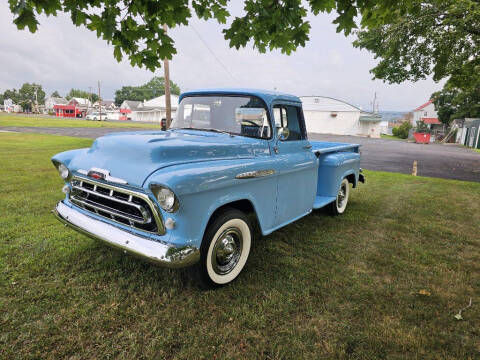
[(201, 188), (67, 156)]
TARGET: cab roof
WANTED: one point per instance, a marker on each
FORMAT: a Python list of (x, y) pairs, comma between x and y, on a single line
[(266, 95)]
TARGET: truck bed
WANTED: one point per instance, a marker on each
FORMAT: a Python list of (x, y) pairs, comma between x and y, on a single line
[(323, 147)]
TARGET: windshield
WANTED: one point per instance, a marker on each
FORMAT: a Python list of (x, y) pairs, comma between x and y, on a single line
[(236, 115)]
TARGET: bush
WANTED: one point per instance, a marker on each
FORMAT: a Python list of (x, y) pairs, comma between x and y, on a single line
[(402, 130), (422, 127)]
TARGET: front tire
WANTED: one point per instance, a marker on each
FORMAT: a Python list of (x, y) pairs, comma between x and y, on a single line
[(339, 206), (225, 249)]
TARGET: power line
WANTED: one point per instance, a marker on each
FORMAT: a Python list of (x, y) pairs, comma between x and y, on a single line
[(213, 54)]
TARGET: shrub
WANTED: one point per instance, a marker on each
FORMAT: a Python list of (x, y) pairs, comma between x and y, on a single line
[(422, 127), (402, 130)]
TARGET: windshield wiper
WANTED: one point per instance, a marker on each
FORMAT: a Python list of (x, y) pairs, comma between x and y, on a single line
[(208, 129), (219, 131)]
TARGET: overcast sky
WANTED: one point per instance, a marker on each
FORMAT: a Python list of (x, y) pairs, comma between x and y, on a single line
[(61, 56)]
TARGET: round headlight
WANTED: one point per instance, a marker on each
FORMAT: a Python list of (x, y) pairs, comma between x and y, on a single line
[(166, 198), (63, 171)]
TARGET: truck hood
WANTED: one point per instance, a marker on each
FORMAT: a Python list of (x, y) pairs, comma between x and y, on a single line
[(134, 156)]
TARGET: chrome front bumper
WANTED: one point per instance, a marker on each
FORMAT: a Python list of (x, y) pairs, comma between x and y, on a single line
[(153, 251)]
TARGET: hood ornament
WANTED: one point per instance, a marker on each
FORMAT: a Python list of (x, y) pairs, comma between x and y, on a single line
[(102, 174)]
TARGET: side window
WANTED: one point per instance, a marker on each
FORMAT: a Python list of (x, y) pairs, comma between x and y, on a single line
[(289, 116)]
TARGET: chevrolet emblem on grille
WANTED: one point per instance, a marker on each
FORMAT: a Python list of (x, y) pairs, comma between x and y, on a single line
[(101, 174)]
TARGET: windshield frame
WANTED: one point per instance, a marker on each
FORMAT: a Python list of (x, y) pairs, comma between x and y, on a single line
[(213, 94)]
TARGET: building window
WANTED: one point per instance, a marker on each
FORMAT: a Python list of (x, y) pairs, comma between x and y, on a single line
[(316, 100)]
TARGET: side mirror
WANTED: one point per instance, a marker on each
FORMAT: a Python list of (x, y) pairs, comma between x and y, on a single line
[(283, 133)]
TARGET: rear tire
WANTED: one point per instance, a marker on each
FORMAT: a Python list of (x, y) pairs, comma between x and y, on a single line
[(339, 206), (225, 249)]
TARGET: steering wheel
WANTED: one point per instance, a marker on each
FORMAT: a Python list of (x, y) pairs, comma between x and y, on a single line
[(251, 122)]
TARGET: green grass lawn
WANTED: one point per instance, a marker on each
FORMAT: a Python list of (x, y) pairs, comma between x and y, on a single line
[(391, 137), (384, 281), (15, 120)]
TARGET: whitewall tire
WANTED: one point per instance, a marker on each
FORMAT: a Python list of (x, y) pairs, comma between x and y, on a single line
[(225, 248), (339, 206)]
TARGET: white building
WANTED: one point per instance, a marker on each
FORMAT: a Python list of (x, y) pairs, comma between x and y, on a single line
[(80, 102), (10, 107), (426, 113), (325, 115), (51, 101), (154, 110)]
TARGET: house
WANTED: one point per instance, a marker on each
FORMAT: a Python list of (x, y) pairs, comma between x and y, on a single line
[(471, 133), (10, 107), (51, 101), (108, 105), (80, 102), (326, 115), (126, 109), (428, 115), (154, 110)]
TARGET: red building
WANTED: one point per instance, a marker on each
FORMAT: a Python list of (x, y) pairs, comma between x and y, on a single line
[(76, 108)]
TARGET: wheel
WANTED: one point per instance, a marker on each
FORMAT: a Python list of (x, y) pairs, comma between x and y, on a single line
[(340, 204), (225, 249), (95, 119)]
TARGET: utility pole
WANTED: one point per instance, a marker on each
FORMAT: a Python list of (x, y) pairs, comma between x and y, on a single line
[(36, 99), (99, 102), (168, 104), (374, 101), (89, 97)]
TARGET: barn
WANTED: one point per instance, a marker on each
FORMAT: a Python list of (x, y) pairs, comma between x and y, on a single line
[(326, 115)]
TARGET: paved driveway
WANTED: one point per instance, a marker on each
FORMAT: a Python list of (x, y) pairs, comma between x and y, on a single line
[(443, 161), (435, 160)]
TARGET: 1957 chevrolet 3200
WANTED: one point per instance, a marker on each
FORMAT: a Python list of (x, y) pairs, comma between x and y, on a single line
[(181, 197)]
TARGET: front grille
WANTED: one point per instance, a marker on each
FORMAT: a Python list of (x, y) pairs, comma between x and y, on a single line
[(125, 206)]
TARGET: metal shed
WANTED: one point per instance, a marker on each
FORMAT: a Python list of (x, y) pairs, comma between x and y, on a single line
[(471, 133)]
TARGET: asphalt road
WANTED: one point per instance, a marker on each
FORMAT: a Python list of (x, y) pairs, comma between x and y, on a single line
[(434, 160)]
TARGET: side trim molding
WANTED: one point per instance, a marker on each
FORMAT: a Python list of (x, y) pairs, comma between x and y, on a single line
[(255, 174)]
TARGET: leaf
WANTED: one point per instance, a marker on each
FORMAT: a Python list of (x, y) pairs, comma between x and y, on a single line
[(424, 292)]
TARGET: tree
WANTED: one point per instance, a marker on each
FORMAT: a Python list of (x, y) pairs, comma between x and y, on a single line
[(81, 94), (55, 94), (29, 94), (12, 94), (458, 99), (155, 87), (432, 37), (135, 27)]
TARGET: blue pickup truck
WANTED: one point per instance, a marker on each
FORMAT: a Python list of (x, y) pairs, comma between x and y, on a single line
[(190, 195)]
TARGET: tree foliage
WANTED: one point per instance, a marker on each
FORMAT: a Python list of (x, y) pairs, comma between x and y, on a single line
[(135, 28), (402, 130), (155, 87), (460, 97), (81, 94), (432, 37), (26, 96), (55, 94)]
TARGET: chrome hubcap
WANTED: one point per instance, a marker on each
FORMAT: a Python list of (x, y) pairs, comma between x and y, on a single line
[(342, 194), (227, 251)]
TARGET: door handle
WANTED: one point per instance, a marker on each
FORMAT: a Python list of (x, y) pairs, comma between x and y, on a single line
[(307, 147)]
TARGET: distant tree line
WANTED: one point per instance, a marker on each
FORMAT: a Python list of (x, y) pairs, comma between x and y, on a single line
[(25, 96), (154, 88)]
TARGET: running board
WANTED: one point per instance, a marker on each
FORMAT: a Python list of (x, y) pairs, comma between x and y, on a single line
[(321, 201)]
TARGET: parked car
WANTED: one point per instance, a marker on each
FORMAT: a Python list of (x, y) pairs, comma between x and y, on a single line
[(96, 116), (188, 195)]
